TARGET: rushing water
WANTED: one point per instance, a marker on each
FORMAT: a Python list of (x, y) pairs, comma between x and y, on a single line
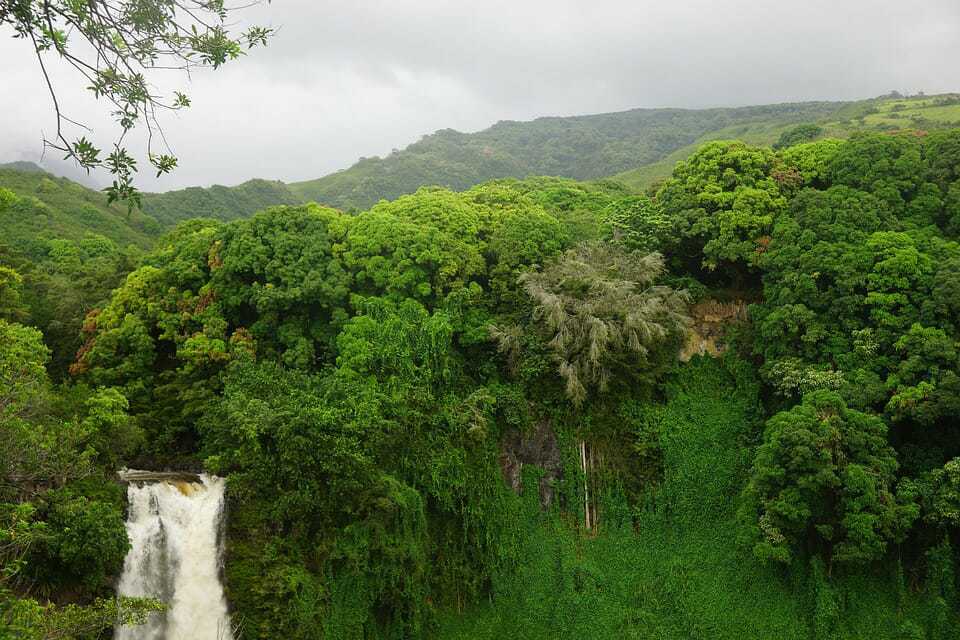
[(175, 556)]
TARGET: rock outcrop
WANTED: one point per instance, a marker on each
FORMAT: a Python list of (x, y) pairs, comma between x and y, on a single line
[(536, 447), (710, 321)]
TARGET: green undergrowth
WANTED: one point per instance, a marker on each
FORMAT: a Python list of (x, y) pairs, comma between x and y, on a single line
[(674, 566)]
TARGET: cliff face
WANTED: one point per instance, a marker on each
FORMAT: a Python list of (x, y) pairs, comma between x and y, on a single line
[(710, 320), (537, 447)]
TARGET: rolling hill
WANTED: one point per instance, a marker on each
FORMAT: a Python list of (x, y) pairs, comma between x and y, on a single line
[(637, 148), (37, 206), (224, 203), (880, 114), (582, 147)]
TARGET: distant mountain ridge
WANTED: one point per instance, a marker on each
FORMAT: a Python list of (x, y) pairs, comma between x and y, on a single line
[(22, 165), (636, 147), (581, 147)]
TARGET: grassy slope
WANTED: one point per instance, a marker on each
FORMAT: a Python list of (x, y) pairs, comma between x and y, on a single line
[(681, 574), (880, 114), (52, 207)]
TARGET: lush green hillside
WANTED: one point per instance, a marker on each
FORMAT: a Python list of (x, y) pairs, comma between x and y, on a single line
[(678, 574), (922, 113), (460, 414), (637, 147), (581, 147), (68, 249), (222, 203), (36, 205)]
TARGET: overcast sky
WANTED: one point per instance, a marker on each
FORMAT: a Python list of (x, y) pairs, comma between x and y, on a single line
[(359, 78)]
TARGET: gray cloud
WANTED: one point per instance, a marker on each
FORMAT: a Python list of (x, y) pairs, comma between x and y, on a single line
[(343, 80)]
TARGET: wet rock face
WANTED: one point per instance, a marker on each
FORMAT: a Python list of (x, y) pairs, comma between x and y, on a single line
[(710, 321), (536, 447), (133, 475)]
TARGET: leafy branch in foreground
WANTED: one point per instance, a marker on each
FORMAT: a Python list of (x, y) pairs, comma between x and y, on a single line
[(115, 44)]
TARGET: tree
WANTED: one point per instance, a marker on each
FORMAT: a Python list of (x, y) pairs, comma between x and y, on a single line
[(11, 290), (210, 293), (340, 463), (841, 293), (85, 542), (943, 502), (637, 223), (22, 534), (810, 160), (926, 384), (43, 446), (23, 376), (722, 202), (116, 45), (518, 232), (422, 246), (69, 279), (603, 315), (889, 166), (798, 134), (822, 484), (52, 536)]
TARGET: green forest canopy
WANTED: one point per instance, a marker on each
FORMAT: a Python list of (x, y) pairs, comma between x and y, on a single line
[(359, 379)]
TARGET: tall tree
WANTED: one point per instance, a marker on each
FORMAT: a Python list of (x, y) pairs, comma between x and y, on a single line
[(603, 315), (822, 483)]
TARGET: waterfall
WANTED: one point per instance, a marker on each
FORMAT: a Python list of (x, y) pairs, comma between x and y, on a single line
[(175, 556)]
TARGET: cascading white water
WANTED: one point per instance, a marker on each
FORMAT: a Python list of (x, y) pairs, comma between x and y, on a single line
[(175, 556)]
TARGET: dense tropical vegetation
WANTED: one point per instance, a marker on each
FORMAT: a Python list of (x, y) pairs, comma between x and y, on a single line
[(460, 414)]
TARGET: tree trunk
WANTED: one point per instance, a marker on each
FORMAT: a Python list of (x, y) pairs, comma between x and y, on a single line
[(582, 445)]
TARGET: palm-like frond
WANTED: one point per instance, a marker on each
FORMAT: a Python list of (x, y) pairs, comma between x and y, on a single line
[(599, 305)]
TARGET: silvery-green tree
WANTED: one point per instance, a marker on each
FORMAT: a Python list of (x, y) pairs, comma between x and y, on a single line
[(603, 316)]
